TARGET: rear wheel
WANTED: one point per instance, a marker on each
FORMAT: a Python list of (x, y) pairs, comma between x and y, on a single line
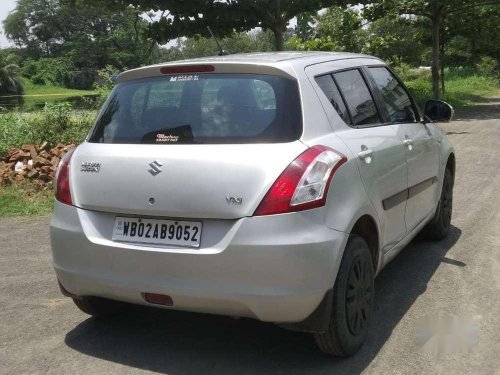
[(438, 227), (352, 302), (98, 307)]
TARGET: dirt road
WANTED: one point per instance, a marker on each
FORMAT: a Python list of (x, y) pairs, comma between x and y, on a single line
[(42, 332)]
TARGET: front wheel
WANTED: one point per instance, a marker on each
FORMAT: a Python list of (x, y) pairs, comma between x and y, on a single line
[(438, 228), (352, 302)]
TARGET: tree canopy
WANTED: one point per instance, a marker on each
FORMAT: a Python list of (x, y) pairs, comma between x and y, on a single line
[(224, 17), (83, 38)]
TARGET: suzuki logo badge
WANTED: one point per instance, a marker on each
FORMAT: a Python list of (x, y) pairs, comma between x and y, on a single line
[(155, 168)]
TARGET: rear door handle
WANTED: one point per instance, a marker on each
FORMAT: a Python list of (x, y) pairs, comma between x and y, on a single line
[(408, 143), (365, 154)]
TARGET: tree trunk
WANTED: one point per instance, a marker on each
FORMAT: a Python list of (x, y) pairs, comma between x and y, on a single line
[(442, 68), (436, 18), (278, 27), (278, 37)]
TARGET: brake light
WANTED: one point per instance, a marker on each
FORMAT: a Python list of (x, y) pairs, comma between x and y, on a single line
[(63, 193), (304, 183), (182, 69)]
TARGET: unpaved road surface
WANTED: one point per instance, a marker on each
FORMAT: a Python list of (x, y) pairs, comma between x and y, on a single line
[(42, 332)]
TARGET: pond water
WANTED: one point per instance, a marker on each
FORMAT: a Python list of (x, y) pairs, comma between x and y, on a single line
[(28, 103)]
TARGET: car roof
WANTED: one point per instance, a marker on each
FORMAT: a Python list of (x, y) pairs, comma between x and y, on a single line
[(264, 60), (273, 57)]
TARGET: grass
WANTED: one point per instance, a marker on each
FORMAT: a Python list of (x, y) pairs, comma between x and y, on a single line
[(17, 200), (462, 86), (30, 89)]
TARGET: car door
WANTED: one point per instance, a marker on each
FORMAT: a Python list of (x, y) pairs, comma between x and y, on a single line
[(421, 148), (379, 152)]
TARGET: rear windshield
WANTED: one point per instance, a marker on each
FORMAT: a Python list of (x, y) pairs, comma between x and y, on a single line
[(201, 108)]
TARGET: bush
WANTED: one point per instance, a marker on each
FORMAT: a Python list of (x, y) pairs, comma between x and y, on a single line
[(46, 71), (407, 73), (489, 66), (56, 123)]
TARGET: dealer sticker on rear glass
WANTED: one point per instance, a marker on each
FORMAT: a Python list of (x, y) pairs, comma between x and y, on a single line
[(184, 78)]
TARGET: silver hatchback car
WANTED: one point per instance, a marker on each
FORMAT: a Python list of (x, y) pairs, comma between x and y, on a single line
[(273, 186)]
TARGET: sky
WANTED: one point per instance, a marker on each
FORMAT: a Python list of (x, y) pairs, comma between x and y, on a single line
[(5, 7)]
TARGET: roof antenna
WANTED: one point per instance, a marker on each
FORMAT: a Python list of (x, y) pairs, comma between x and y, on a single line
[(222, 52)]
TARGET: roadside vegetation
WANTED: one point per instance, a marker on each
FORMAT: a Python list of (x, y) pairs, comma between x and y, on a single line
[(21, 200), (49, 89), (56, 123), (464, 86)]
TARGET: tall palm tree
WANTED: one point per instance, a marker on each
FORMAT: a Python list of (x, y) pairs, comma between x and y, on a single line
[(10, 79)]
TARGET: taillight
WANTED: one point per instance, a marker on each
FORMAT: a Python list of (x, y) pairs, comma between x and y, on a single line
[(304, 183), (63, 192)]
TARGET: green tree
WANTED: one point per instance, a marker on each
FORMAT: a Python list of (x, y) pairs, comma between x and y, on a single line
[(187, 48), (10, 77), (304, 29), (184, 18), (344, 26), (436, 11), (398, 40), (89, 38), (335, 29)]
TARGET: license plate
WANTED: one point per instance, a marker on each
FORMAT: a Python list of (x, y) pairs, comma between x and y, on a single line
[(153, 231)]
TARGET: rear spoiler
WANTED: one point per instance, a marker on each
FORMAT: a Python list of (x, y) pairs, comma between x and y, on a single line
[(200, 67)]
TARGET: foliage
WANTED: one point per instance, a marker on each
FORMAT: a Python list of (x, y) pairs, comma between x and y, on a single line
[(103, 86), (16, 200), (325, 43), (47, 71), (336, 29), (190, 18), (56, 123), (10, 74), (464, 86), (10, 79), (304, 29), (440, 15), (202, 46), (344, 26), (77, 39), (470, 35), (398, 40), (489, 66)]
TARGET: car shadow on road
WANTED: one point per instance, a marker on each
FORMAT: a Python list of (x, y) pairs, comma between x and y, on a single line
[(186, 343)]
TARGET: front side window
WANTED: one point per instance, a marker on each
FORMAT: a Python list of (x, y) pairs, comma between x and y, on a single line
[(396, 99), (358, 97), (202, 108)]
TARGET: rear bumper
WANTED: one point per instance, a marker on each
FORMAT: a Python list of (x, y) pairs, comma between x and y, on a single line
[(273, 268)]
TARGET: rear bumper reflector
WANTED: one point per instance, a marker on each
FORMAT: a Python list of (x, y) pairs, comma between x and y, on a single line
[(158, 299)]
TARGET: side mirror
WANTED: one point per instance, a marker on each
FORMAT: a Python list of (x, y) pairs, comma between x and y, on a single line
[(438, 111)]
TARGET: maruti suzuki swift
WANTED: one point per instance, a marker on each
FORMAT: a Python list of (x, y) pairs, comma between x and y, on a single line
[(273, 186)]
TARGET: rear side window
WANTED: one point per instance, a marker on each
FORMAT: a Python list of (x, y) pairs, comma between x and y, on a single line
[(396, 99), (358, 97), (332, 92), (203, 108)]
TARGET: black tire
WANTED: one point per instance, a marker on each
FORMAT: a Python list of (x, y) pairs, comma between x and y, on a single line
[(352, 302), (98, 307), (439, 226)]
